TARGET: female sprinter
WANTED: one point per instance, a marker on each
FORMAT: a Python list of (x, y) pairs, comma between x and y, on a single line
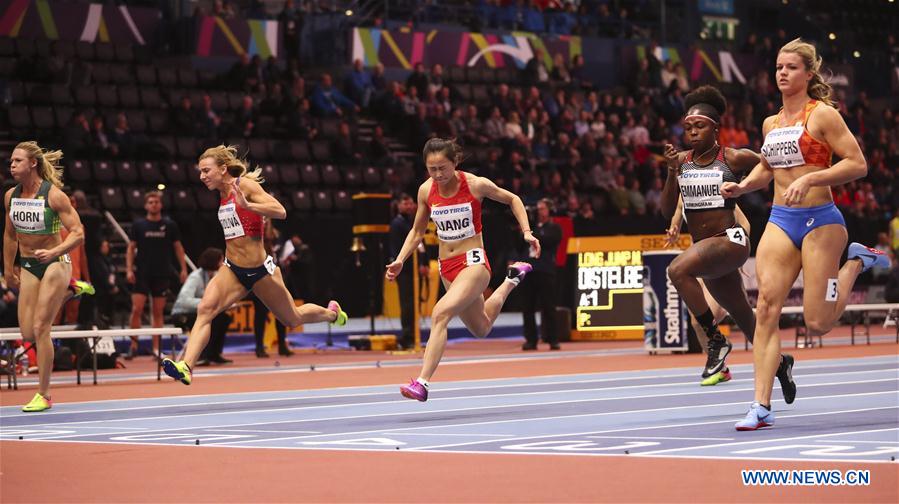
[(34, 209), (453, 199), (805, 230), (242, 211), (720, 242)]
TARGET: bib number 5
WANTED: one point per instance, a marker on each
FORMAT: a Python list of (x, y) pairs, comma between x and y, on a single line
[(475, 256)]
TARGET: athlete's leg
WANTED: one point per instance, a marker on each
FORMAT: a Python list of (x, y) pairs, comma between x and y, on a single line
[(826, 285), (223, 290), (54, 290), (728, 291), (272, 291), (466, 289), (778, 263)]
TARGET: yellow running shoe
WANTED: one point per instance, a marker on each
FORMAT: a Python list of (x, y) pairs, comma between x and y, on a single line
[(341, 315), (80, 288), (38, 403), (719, 377), (178, 370)]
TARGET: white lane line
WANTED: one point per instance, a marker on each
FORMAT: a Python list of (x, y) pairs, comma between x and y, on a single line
[(761, 441), (558, 417)]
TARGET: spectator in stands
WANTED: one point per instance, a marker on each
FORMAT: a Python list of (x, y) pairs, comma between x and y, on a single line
[(535, 72), (560, 73), (210, 120), (77, 135), (184, 312), (154, 246), (327, 101), (346, 149), (435, 80), (494, 126), (183, 119), (271, 73), (378, 152), (291, 18), (358, 85), (246, 117), (578, 72), (531, 17), (418, 79), (103, 146), (300, 121), (122, 137)]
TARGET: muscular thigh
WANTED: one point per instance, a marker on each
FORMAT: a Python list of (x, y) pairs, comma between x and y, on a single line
[(223, 290), (777, 264), (274, 294), (713, 257), (53, 291), (821, 252), (28, 298), (463, 292)]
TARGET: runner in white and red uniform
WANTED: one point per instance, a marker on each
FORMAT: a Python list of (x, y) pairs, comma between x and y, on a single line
[(244, 206), (453, 200)]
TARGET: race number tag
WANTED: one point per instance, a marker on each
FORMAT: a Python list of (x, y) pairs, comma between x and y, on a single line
[(105, 346), (831, 293), (475, 256), (269, 265), (231, 224), (737, 235), (782, 149)]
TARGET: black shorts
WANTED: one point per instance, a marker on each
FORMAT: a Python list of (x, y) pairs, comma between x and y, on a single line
[(249, 276), (155, 286)]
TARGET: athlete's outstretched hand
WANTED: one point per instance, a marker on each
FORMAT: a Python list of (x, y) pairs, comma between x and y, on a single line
[(239, 197), (731, 190), (533, 242), (671, 235), (393, 270)]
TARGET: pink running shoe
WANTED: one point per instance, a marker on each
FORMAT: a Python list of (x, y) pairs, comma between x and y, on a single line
[(341, 319), (414, 390), (518, 270)]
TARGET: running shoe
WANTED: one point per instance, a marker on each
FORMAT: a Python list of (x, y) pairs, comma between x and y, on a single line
[(757, 417), (719, 377), (341, 319), (517, 271), (80, 288), (869, 257), (415, 390), (785, 377), (719, 349), (178, 370), (37, 403)]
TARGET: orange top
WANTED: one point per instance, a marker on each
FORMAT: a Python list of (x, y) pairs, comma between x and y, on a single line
[(815, 152)]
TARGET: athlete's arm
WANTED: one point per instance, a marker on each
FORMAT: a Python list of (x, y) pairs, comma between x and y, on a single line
[(852, 164), (677, 220), (250, 195), (485, 188), (69, 218), (415, 236), (742, 160), (671, 191), (10, 247), (179, 254)]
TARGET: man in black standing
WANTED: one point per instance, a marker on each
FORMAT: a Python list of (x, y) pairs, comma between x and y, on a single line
[(399, 229), (155, 241), (539, 288)]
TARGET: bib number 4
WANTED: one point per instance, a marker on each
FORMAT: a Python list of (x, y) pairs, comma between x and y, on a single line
[(737, 235)]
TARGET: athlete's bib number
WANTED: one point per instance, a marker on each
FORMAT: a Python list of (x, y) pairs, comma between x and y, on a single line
[(475, 256), (269, 265), (781, 148), (737, 235), (454, 222), (105, 346), (231, 224), (27, 214)]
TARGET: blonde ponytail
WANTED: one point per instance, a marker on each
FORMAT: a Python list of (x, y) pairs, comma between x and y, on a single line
[(226, 155), (48, 167)]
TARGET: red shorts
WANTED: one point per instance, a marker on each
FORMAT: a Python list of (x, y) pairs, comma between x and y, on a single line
[(450, 267)]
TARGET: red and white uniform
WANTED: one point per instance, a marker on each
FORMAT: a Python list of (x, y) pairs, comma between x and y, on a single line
[(457, 217), (237, 221)]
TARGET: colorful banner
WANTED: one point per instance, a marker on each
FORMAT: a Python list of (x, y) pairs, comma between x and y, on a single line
[(77, 22), (403, 48), (236, 37), (664, 312), (701, 66)]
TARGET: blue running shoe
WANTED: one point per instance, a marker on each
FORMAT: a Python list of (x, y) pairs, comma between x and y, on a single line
[(869, 257), (757, 417)]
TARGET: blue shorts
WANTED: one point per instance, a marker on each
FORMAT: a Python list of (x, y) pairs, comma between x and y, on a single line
[(249, 276), (798, 222)]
